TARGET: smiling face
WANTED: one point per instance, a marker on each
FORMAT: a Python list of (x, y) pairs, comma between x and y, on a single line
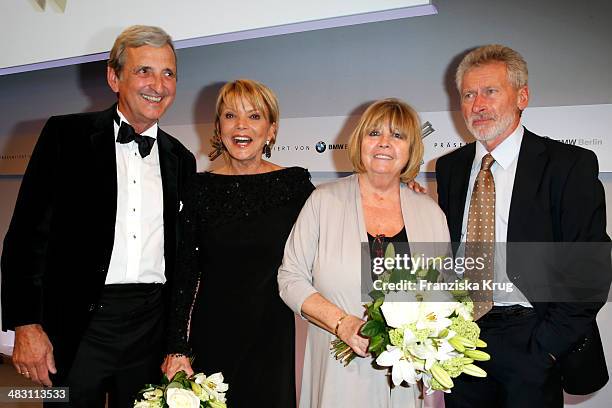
[(146, 85), (384, 151), (491, 106), (244, 130)]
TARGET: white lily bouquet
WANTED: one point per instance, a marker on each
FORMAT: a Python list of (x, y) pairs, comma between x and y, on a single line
[(197, 391), (429, 336), (431, 341)]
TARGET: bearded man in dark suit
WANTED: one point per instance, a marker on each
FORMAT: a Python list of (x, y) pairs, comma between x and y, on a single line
[(91, 248), (538, 191)]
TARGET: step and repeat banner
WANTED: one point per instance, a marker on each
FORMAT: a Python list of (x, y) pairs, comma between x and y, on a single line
[(320, 143)]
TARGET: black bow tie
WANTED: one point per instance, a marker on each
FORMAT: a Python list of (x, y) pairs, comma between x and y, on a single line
[(128, 134)]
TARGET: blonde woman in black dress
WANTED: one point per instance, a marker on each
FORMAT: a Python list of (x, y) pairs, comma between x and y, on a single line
[(236, 222)]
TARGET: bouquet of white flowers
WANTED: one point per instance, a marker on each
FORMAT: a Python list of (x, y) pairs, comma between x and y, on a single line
[(197, 391), (428, 336), (432, 341)]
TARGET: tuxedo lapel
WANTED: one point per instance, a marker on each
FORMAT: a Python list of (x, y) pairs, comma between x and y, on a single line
[(458, 187), (168, 162), (530, 168), (105, 162), (169, 167)]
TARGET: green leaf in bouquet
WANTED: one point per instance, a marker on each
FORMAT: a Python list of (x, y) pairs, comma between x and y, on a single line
[(373, 310), (376, 294), (394, 276), (179, 376), (180, 380), (378, 303), (399, 275), (390, 253), (174, 384), (375, 343), (432, 275), (376, 315), (372, 328)]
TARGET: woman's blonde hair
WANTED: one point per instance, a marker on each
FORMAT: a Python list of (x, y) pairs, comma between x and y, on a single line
[(397, 116), (257, 94)]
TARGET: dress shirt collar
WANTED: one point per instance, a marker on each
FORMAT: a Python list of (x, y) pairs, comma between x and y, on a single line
[(151, 132), (505, 153)]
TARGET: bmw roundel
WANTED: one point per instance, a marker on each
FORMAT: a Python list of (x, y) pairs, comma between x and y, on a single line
[(320, 147)]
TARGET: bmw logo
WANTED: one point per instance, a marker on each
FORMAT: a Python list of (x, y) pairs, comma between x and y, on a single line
[(320, 147)]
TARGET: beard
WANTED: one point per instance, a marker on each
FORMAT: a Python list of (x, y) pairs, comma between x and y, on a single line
[(485, 134)]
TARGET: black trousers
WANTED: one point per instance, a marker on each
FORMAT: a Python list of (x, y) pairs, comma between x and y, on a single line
[(121, 350), (519, 374)]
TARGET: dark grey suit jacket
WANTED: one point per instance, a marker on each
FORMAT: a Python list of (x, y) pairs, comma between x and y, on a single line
[(557, 197)]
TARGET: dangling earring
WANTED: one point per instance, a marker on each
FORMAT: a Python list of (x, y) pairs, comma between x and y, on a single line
[(266, 149), (218, 147)]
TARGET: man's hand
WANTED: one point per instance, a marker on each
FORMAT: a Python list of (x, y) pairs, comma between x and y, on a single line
[(416, 187), (33, 354)]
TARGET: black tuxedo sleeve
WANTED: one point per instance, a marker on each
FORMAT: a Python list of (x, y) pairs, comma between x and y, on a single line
[(582, 219), (25, 244)]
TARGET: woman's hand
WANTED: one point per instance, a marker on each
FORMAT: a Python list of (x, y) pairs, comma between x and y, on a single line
[(173, 363), (348, 332)]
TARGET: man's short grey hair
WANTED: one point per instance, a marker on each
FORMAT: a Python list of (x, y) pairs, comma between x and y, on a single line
[(134, 37), (515, 64)]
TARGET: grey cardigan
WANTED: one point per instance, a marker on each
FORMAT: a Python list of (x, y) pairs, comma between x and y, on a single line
[(328, 233), (324, 254)]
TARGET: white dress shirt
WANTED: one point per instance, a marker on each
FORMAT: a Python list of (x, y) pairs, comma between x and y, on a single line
[(138, 250), (503, 170)]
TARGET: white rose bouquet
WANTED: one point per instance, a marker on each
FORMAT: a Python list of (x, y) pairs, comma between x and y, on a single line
[(197, 391)]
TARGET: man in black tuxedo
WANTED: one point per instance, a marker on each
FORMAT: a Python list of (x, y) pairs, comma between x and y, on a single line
[(542, 191), (91, 248)]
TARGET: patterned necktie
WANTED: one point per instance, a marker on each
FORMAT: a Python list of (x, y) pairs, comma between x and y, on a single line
[(128, 134), (480, 241)]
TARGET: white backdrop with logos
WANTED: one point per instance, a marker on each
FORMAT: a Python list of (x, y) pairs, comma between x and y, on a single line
[(320, 143)]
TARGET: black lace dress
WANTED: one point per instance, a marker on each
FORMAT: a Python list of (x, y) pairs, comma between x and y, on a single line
[(235, 228)]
